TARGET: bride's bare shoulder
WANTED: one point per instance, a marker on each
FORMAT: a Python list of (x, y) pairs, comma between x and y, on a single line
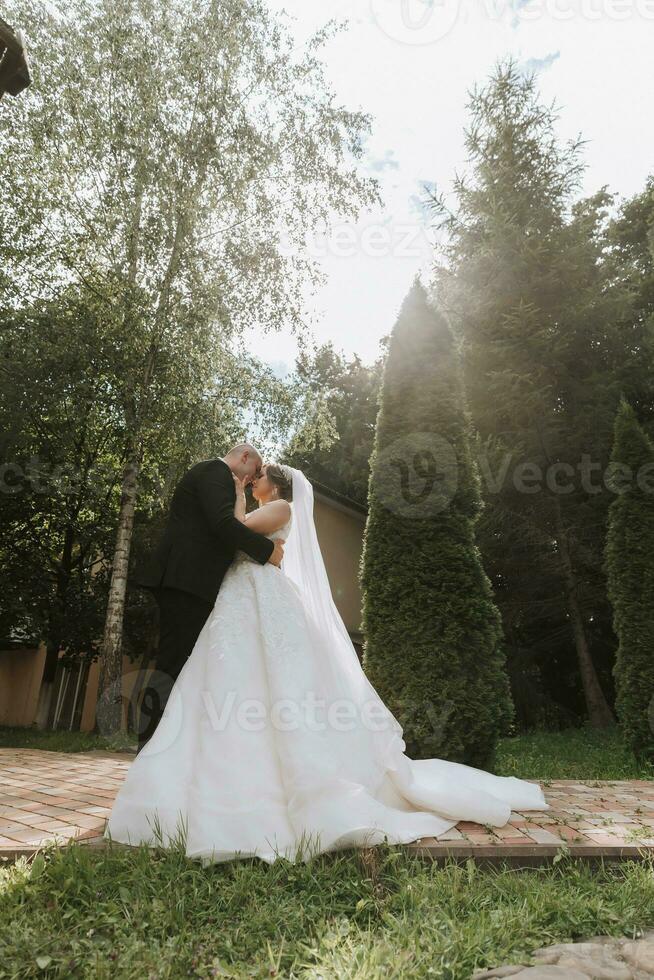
[(280, 509), (270, 517)]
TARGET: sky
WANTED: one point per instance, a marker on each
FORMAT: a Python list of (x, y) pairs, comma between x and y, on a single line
[(410, 64)]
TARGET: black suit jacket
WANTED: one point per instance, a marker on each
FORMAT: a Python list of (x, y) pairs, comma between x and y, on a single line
[(202, 535)]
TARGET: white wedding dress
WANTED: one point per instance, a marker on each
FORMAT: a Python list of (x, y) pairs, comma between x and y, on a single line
[(274, 743)]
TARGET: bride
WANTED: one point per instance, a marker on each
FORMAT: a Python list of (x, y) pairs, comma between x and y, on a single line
[(273, 742)]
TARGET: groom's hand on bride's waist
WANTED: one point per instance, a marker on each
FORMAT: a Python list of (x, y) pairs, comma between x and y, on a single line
[(277, 553)]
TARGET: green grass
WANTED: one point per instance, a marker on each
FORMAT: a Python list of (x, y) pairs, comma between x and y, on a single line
[(61, 741), (359, 914), (139, 913), (576, 753)]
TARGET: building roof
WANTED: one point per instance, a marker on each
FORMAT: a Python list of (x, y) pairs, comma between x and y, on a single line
[(337, 499)]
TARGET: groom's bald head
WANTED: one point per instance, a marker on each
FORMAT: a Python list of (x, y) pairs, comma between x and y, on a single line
[(244, 460)]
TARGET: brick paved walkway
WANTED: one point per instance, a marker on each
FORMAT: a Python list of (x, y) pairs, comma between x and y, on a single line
[(47, 796)]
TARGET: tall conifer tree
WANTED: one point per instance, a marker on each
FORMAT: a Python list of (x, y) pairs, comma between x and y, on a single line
[(630, 574), (526, 284), (433, 633)]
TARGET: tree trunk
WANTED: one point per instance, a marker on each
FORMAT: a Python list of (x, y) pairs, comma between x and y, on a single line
[(110, 703), (599, 712), (53, 645), (109, 713), (42, 718)]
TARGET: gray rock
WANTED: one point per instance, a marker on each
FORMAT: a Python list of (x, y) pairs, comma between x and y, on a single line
[(523, 972), (602, 940), (607, 969), (547, 972), (598, 960), (598, 957), (585, 948), (498, 971), (640, 954)]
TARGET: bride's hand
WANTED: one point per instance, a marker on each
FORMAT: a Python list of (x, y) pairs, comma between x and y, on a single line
[(240, 506), (239, 485)]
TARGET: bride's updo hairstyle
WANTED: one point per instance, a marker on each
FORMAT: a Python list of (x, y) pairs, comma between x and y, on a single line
[(282, 478)]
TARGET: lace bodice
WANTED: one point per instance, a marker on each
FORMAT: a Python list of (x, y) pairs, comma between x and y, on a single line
[(281, 532)]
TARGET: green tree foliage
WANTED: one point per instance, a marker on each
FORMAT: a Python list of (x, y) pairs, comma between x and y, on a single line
[(631, 257), (630, 574), (348, 391), (528, 283), (433, 633), (169, 159), (63, 444)]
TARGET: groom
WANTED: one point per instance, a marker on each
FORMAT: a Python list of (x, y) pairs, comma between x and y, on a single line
[(187, 567)]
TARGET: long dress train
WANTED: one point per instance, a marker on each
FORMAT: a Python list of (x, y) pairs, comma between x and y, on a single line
[(266, 748)]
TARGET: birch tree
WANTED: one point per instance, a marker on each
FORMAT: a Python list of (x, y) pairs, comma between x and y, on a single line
[(171, 158)]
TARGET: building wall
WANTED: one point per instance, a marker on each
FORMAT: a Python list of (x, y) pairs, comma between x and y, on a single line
[(340, 535), (20, 682)]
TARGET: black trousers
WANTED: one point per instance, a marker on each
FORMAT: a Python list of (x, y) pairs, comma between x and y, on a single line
[(181, 618)]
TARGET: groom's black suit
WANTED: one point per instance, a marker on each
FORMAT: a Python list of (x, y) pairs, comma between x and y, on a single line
[(186, 570)]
